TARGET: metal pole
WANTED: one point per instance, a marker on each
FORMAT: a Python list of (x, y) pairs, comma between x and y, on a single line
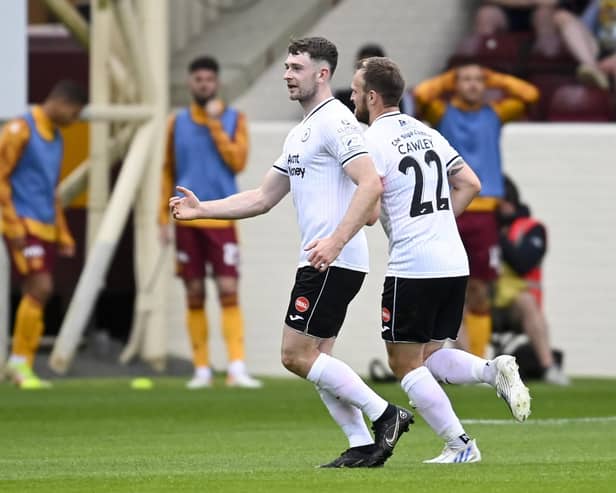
[(98, 176), (118, 112), (72, 19), (128, 22), (153, 268), (92, 277), (77, 181)]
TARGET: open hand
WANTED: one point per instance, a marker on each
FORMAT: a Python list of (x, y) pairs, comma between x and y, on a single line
[(184, 208)]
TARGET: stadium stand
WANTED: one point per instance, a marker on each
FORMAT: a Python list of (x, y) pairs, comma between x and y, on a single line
[(562, 97), (580, 103)]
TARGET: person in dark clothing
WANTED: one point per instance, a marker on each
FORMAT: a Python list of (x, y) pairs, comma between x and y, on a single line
[(523, 243)]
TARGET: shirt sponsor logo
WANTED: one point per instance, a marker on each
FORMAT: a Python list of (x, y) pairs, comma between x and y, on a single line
[(292, 159), (302, 304), (297, 172)]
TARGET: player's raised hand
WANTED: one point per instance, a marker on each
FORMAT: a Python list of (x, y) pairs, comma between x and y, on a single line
[(184, 208)]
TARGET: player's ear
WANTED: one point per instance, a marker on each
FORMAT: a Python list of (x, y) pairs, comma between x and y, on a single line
[(324, 74)]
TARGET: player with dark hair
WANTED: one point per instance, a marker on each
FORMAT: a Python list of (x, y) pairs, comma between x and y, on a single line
[(426, 185), (207, 145), (325, 166), (33, 222)]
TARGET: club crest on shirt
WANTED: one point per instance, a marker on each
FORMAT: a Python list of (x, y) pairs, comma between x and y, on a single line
[(306, 135), (352, 142)]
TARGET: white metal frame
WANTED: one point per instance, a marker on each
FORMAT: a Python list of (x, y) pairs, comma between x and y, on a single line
[(142, 25)]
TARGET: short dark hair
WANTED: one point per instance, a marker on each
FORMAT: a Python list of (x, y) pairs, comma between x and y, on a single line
[(382, 75), (69, 91), (204, 63), (368, 50), (318, 49), (511, 192)]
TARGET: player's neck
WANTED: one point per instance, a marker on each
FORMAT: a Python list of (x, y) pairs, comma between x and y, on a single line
[(382, 111), (316, 100)]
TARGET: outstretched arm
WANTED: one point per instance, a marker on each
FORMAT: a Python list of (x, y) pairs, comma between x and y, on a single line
[(361, 209), (464, 185), (249, 203)]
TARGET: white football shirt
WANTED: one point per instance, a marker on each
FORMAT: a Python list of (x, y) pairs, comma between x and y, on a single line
[(416, 212), (313, 157)]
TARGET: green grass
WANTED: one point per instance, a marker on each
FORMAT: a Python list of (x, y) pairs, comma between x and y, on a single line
[(95, 436)]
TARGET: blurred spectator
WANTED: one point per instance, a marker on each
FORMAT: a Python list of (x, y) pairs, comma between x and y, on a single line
[(551, 21), (519, 291), (473, 127), (366, 51), (207, 145), (33, 222), (600, 18)]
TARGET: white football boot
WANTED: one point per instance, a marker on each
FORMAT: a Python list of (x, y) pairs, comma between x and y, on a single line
[(510, 388), (459, 455)]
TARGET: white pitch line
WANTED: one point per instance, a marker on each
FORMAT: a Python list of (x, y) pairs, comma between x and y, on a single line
[(547, 421)]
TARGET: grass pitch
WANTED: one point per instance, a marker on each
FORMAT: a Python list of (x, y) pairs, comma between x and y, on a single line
[(102, 436)]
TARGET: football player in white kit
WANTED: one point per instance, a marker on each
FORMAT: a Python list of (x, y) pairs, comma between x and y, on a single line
[(335, 188), (426, 185)]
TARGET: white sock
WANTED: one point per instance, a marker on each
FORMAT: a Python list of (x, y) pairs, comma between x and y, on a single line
[(432, 403), (342, 382), (349, 418), (237, 368), (17, 360), (455, 366), (204, 372)]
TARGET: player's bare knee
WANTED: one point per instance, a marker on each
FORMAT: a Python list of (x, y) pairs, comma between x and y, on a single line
[(293, 361), (402, 363), (40, 287), (195, 294), (477, 296), (228, 299)]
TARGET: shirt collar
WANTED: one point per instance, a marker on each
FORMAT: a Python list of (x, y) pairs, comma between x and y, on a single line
[(44, 125)]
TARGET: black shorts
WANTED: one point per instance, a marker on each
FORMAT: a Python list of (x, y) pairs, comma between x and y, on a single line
[(422, 310), (319, 300)]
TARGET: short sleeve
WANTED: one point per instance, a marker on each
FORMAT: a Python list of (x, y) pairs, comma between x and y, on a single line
[(445, 150), (379, 162), (280, 166), (345, 139)]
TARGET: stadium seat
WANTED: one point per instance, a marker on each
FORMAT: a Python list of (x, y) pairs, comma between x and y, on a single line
[(547, 84), (580, 103), (499, 52), (559, 62)]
